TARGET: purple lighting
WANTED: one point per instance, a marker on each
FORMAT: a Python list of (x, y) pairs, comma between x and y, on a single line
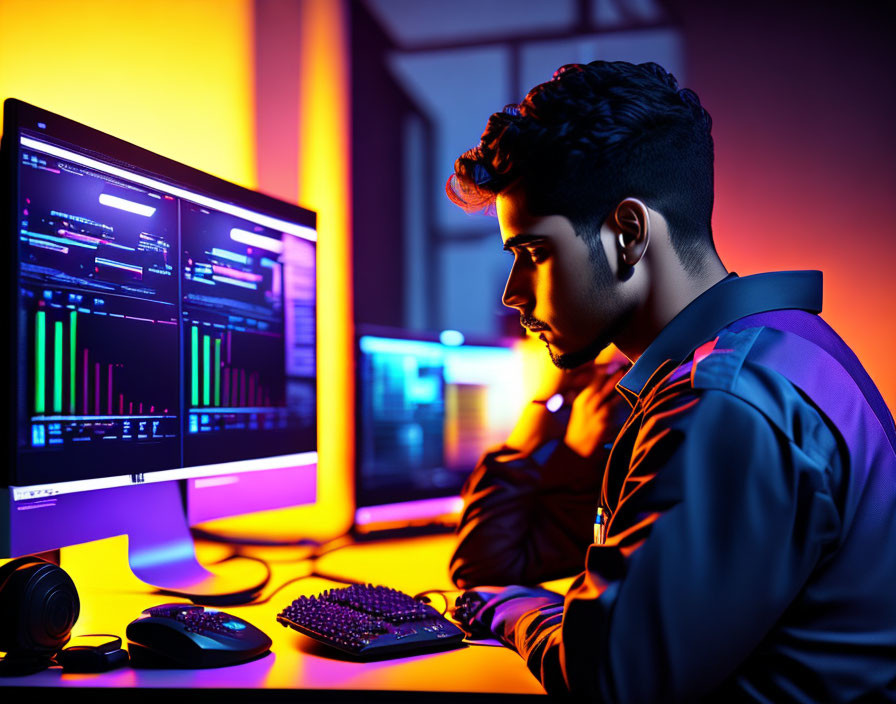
[(409, 511)]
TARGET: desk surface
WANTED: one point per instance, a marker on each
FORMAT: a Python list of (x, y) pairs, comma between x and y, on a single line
[(111, 597)]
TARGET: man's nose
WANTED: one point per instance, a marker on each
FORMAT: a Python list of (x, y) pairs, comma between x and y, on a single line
[(517, 293)]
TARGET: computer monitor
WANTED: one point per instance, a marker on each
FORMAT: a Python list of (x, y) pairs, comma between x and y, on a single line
[(161, 327), (428, 406)]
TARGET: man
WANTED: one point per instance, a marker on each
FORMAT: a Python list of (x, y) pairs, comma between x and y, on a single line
[(747, 513)]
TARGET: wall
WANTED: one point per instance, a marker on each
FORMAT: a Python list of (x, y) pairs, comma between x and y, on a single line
[(378, 193), (171, 76), (802, 98)]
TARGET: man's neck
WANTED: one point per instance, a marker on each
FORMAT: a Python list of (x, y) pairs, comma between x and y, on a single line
[(672, 290)]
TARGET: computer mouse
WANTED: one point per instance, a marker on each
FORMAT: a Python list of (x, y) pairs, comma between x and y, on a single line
[(190, 636)]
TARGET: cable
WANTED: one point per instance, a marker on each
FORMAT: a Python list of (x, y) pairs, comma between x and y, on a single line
[(313, 573), (335, 578), (422, 596), (280, 588), (318, 549), (264, 563), (321, 549)]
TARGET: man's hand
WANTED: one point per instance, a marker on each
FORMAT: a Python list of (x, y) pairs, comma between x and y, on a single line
[(487, 612), (539, 423), (598, 410), (467, 606)]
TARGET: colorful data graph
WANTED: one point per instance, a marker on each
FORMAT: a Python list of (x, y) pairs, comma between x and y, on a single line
[(71, 379), (216, 380)]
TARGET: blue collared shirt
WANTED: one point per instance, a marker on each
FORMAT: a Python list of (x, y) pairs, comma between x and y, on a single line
[(731, 299), (749, 550)]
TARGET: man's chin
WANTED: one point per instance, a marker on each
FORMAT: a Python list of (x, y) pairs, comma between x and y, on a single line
[(571, 360)]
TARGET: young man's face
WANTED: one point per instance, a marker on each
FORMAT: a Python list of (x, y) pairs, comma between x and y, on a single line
[(561, 293)]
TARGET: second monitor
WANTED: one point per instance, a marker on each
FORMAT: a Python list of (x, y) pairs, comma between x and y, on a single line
[(428, 406)]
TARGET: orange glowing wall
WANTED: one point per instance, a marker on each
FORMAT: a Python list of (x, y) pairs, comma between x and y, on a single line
[(172, 76), (324, 178), (802, 101)]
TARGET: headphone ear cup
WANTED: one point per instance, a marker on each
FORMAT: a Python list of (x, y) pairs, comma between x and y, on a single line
[(39, 605), (8, 601)]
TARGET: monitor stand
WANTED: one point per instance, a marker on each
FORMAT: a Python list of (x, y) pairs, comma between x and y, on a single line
[(161, 551)]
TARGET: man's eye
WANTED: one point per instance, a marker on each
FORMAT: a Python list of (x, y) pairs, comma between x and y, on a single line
[(538, 254), (533, 254)]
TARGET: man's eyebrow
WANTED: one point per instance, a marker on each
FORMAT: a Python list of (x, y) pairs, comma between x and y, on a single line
[(522, 241)]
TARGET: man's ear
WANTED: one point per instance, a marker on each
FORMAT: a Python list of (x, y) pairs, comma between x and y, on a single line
[(632, 230)]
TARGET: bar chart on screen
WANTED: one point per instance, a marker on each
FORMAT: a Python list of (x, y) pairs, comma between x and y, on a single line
[(96, 369)]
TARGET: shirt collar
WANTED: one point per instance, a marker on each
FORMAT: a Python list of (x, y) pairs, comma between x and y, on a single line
[(729, 300)]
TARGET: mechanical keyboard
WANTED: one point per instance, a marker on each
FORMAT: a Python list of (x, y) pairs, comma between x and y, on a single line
[(368, 621)]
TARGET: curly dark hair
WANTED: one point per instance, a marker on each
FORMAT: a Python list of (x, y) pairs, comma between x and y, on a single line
[(592, 136)]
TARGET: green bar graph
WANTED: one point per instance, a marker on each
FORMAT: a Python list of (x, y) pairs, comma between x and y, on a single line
[(206, 370), (57, 367), (40, 363), (194, 367), (218, 372), (72, 355)]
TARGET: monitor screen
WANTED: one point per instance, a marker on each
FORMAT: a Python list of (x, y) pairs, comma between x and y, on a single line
[(427, 411), (162, 321)]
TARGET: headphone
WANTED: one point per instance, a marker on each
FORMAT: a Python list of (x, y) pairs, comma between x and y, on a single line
[(38, 608)]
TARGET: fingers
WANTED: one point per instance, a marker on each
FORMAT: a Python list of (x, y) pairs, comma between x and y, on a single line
[(604, 380)]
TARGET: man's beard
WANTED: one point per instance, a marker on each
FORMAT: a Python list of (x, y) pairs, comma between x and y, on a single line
[(603, 339), (571, 360)]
